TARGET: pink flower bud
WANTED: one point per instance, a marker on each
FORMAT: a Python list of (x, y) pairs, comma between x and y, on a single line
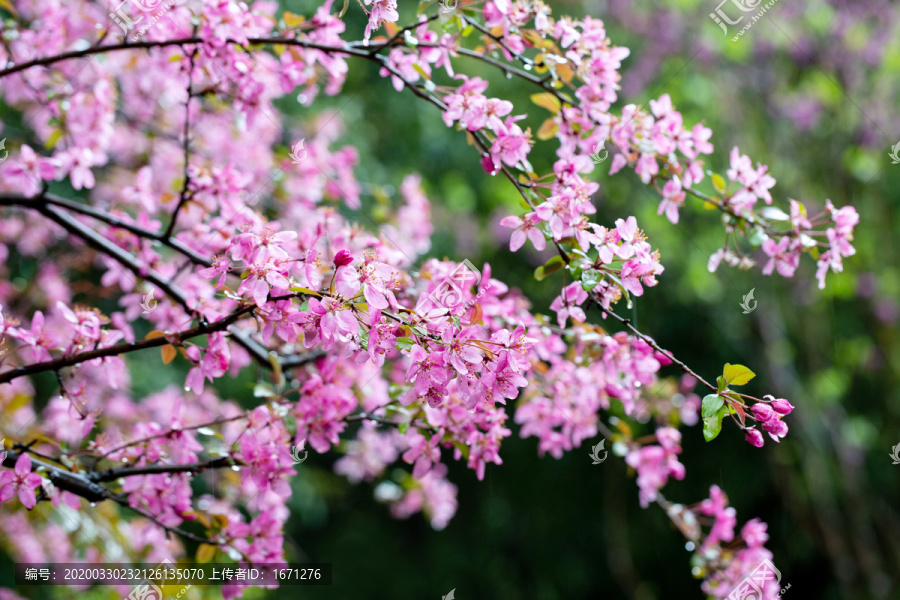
[(342, 258), (782, 406), (487, 163), (776, 428), (753, 436), (763, 412)]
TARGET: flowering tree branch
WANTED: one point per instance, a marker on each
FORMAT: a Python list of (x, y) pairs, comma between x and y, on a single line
[(387, 361)]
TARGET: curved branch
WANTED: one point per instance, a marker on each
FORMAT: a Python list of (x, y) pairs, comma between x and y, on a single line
[(68, 361), (84, 209)]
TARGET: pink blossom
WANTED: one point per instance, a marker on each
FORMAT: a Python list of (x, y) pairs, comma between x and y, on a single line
[(20, 482), (567, 304), (525, 228)]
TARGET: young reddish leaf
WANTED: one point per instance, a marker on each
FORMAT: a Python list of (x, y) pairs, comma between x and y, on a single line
[(476, 316), (168, 353), (548, 129)]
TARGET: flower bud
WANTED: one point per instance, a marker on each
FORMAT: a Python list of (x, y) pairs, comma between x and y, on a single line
[(782, 406), (763, 412), (753, 436), (342, 258), (776, 427)]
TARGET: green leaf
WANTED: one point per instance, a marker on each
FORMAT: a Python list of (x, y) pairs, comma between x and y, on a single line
[(712, 426), (737, 374), (721, 383), (718, 182), (206, 552), (548, 268), (711, 404), (590, 279), (405, 343), (546, 100), (304, 290), (548, 129)]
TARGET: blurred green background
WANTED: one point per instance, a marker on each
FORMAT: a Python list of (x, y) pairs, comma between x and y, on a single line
[(812, 90)]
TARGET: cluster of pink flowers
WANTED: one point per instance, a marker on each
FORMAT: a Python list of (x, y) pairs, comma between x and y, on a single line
[(473, 111), (733, 566), (254, 264), (564, 409), (655, 464)]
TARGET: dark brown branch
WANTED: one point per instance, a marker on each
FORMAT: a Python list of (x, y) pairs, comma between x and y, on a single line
[(68, 361), (651, 342), (193, 468), (101, 244), (185, 195), (84, 209), (63, 479)]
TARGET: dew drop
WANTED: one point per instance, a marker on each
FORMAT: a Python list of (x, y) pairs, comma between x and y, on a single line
[(93, 504), (689, 546), (508, 75), (527, 67), (187, 388)]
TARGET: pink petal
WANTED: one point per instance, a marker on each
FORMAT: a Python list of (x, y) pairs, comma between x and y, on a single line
[(26, 497), (23, 465)]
